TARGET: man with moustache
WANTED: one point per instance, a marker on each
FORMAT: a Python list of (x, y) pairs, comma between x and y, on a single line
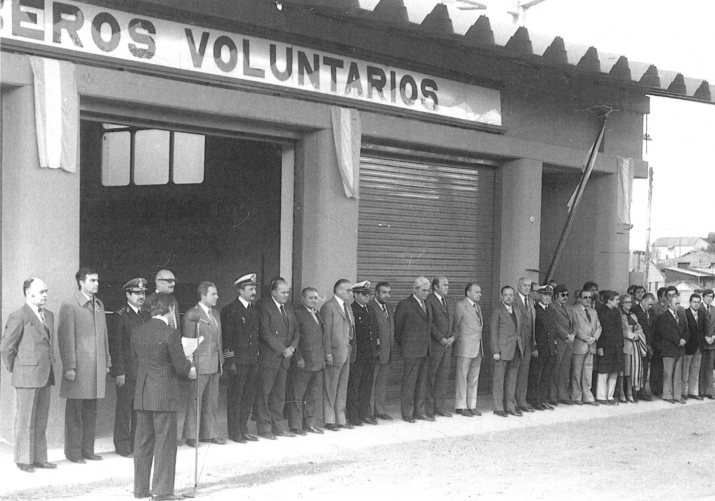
[(584, 350), (124, 365), (386, 332), (239, 325), (507, 349), (542, 361), (524, 304), (566, 328), (440, 348), (166, 283), (27, 350)]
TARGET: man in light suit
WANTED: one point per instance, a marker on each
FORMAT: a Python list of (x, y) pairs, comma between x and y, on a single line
[(467, 330), (440, 348), (525, 307), (386, 331), (708, 347), (305, 381), (413, 331), (28, 353), (203, 320), (340, 346), (160, 363), (584, 349), (278, 340), (84, 349), (566, 328), (508, 350)]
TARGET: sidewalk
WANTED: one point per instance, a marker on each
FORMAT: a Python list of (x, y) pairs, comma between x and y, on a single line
[(116, 473)]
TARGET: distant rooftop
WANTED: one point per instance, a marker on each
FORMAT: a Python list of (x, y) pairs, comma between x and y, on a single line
[(677, 241)]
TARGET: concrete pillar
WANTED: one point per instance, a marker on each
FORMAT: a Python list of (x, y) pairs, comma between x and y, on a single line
[(326, 222), (520, 185), (40, 235), (611, 249)]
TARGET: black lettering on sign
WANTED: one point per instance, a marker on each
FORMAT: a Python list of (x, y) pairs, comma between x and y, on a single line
[(353, 81), (115, 34), (410, 98), (393, 87), (247, 70), (334, 65), (288, 72), (69, 18), (197, 56), (22, 16), (149, 49), (376, 80), (429, 91), (219, 44), (304, 67)]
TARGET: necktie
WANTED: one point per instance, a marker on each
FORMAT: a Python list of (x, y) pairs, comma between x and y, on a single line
[(587, 315), (350, 320), (479, 315), (283, 314), (384, 311), (211, 317), (44, 320), (708, 310), (422, 305)]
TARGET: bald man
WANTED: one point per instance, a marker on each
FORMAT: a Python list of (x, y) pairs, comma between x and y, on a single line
[(166, 282)]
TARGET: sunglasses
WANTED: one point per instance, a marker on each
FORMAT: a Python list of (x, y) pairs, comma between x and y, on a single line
[(564, 294)]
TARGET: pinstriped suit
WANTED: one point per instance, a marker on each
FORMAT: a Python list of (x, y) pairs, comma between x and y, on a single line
[(161, 362)]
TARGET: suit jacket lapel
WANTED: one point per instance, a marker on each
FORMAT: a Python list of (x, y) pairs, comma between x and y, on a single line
[(36, 322)]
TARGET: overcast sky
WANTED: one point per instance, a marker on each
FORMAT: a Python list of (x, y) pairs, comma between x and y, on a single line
[(677, 36)]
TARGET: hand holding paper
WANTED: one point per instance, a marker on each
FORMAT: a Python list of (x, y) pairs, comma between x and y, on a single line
[(190, 344)]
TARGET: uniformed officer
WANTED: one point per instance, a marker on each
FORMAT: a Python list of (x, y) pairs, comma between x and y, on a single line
[(124, 365), (363, 368), (240, 342)]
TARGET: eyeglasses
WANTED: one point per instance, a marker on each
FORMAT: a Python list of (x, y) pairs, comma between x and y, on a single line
[(168, 280), (586, 297), (564, 294)]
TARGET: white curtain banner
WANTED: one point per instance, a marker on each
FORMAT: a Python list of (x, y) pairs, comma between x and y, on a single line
[(347, 134), (625, 190), (56, 113)]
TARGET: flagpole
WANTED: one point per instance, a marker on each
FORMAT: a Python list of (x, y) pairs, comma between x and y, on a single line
[(647, 230)]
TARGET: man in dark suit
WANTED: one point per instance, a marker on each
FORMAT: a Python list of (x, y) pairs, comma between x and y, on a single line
[(340, 346), (124, 365), (697, 325), (673, 334), (357, 407), (413, 331), (525, 307), (160, 363), (28, 353), (542, 360), (278, 339), (566, 329), (644, 314), (239, 326), (84, 349), (508, 350), (165, 282), (708, 347), (440, 347), (203, 321), (305, 381), (386, 332)]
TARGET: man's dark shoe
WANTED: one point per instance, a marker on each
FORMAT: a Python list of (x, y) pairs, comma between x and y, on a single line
[(408, 419), (592, 402), (313, 429), (463, 412), (347, 426), (166, 497), (577, 402), (92, 457), (552, 402), (386, 417), (78, 461), (250, 438), (369, 420), (287, 434), (711, 397), (696, 397), (548, 407), (422, 417), (526, 409), (267, 436), (331, 427), (215, 440), (516, 413), (125, 454), (142, 495), (191, 442), (239, 439), (44, 465), (501, 413), (26, 467), (298, 431), (475, 412), (539, 407), (355, 422), (682, 401), (443, 414), (566, 402)]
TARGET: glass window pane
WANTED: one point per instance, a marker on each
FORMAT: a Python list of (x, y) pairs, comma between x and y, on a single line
[(151, 157), (188, 158), (115, 158)]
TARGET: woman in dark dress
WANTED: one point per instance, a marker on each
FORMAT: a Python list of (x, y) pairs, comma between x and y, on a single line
[(609, 347)]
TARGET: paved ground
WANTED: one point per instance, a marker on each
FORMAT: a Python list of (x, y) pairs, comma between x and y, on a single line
[(648, 451)]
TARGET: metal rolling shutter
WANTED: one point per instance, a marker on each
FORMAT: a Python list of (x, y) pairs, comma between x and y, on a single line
[(426, 218)]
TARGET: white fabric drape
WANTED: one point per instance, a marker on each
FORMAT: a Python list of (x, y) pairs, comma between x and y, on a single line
[(625, 190), (347, 134)]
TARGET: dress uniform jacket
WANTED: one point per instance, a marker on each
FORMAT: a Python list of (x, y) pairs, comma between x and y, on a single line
[(366, 332), (120, 340), (545, 331), (240, 333)]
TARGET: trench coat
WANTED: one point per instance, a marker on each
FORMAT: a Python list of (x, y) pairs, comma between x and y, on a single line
[(84, 347)]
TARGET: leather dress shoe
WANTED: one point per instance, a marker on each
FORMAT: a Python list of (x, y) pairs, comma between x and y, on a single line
[(298, 431), (125, 454), (669, 400), (408, 419), (331, 427), (548, 407), (386, 417), (463, 412), (355, 422), (287, 434), (539, 407), (696, 397), (215, 440), (475, 412), (592, 402), (515, 412), (267, 436), (313, 429), (423, 417), (239, 439), (577, 402), (711, 397), (525, 409), (612, 401), (44, 465), (566, 402), (552, 402), (191, 442), (501, 413), (142, 495), (642, 395), (369, 420), (682, 401), (92, 457), (443, 414), (78, 461), (26, 467), (347, 426), (250, 438), (166, 497)]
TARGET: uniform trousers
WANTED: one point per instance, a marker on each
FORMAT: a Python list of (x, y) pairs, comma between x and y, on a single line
[(125, 418), (691, 374), (359, 389), (440, 362), (466, 382), (582, 377), (706, 373), (672, 378), (335, 392), (33, 406), (379, 392), (207, 386), (270, 400), (656, 373), (540, 372), (155, 443), (80, 427), (560, 376), (522, 380), (413, 387), (240, 392), (304, 389), (504, 383)]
